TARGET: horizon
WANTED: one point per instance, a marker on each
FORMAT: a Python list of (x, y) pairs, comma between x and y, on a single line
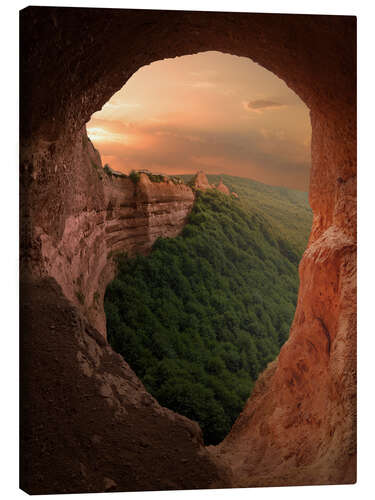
[(222, 174), (208, 111), (219, 174)]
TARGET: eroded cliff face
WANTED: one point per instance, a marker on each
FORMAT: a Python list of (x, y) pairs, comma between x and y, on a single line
[(77, 395), (222, 188), (201, 183), (299, 426), (114, 215)]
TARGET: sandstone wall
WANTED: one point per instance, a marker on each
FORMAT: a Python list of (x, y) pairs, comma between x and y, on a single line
[(107, 215), (87, 422), (299, 426)]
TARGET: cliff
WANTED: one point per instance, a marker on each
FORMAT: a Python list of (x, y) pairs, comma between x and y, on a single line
[(126, 216), (309, 391)]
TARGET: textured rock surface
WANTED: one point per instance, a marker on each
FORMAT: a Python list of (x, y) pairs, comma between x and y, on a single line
[(123, 216), (201, 182), (299, 426), (87, 422), (222, 188)]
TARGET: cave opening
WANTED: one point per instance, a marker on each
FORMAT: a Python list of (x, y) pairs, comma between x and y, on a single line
[(198, 317)]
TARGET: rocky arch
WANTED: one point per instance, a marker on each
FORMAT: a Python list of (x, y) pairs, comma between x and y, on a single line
[(299, 425)]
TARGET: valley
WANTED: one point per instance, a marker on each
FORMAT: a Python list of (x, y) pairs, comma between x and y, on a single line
[(202, 315)]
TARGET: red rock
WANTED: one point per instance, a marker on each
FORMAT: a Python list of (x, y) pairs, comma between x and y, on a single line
[(201, 182), (223, 188), (128, 217)]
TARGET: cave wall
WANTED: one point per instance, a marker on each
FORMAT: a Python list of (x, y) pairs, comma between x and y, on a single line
[(299, 426), (107, 214), (87, 423)]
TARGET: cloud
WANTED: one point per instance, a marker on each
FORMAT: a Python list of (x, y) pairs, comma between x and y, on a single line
[(111, 126), (260, 105), (102, 135), (204, 73), (210, 111), (199, 84), (203, 85), (265, 155), (117, 105)]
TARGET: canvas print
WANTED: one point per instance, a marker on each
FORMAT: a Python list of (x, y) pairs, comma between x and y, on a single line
[(188, 250)]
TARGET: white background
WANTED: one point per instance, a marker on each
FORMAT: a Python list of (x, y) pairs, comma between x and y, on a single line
[(364, 10)]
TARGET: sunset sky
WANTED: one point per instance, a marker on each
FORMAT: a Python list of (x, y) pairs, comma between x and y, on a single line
[(210, 111)]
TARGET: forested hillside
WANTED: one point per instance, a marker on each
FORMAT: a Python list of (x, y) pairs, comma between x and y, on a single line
[(287, 210), (201, 317)]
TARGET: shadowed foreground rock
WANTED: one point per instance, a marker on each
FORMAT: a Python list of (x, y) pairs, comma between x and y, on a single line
[(88, 424)]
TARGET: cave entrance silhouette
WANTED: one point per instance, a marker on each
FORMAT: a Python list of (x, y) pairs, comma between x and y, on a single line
[(144, 127), (292, 431)]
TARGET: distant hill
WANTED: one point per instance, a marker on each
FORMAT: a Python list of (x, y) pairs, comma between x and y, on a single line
[(203, 314), (287, 210)]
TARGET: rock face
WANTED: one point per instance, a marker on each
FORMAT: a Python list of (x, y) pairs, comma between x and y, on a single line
[(299, 425), (222, 188), (201, 182), (88, 423), (127, 217), (138, 214)]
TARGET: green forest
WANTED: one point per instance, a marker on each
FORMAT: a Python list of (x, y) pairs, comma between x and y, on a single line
[(202, 315)]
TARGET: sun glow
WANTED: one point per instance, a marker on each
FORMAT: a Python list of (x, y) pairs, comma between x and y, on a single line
[(99, 135)]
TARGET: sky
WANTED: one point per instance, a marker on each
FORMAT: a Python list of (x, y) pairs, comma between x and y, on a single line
[(209, 111)]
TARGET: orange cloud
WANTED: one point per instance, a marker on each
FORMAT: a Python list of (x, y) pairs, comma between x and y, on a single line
[(261, 105)]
